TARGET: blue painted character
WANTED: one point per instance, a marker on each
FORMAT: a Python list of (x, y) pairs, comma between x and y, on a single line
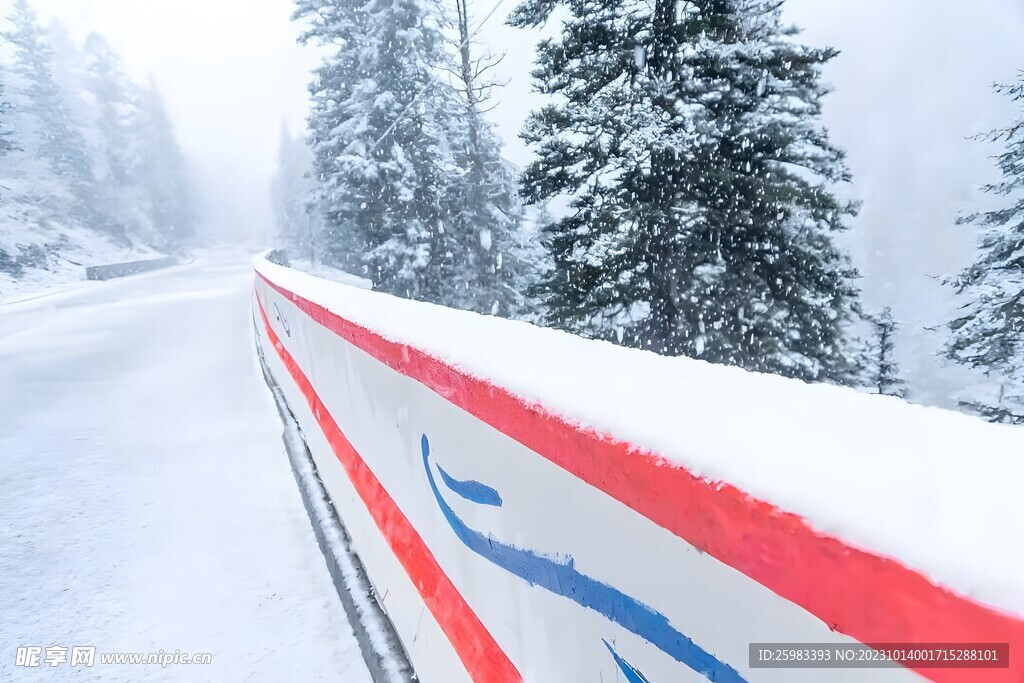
[(562, 578)]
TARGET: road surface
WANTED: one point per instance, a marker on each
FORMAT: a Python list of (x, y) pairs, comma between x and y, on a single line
[(146, 501)]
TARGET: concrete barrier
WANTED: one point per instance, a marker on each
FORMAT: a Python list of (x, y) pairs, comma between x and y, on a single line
[(116, 270), (531, 506)]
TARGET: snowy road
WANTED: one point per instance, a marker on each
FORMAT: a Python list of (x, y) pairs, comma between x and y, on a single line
[(146, 502)]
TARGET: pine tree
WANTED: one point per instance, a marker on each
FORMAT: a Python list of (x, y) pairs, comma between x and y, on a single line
[(17, 168), (7, 145), (292, 189), (492, 267), (162, 173), (886, 377), (988, 336), (6, 134), (20, 195), (117, 139), (380, 146), (69, 71), (336, 26), (341, 243), (689, 141), (6, 128), (117, 106), (48, 128), (141, 167)]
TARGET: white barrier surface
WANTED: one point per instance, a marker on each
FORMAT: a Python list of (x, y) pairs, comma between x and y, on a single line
[(533, 506)]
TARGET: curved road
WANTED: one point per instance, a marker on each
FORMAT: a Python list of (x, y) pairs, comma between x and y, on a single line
[(146, 501)]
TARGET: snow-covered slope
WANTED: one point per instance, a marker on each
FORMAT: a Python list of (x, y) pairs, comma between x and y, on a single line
[(38, 255)]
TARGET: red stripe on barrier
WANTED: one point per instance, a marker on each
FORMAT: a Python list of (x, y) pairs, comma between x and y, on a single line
[(480, 654), (871, 598)]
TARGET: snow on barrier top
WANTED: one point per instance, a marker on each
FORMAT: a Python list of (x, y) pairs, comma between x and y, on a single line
[(890, 523)]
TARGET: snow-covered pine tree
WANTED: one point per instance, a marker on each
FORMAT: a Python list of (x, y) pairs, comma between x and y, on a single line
[(162, 173), (378, 136), (886, 376), (6, 134), (493, 267), (118, 139), (48, 129), (990, 334), (140, 164), (21, 193), (689, 139), (7, 263), (334, 25), (292, 189), (116, 103), (70, 73)]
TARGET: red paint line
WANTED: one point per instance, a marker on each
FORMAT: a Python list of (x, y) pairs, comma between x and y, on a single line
[(871, 598), (480, 653)]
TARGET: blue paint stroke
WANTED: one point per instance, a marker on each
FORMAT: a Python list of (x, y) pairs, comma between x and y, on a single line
[(632, 675), (471, 490), (562, 578), (281, 319)]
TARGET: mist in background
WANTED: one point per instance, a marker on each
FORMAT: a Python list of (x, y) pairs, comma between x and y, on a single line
[(912, 85), (230, 71)]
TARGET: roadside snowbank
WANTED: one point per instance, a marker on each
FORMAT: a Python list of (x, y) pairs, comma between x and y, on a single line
[(937, 490), (37, 258)]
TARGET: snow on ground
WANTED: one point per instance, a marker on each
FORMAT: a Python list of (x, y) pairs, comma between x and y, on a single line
[(936, 489), (49, 257), (147, 502)]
